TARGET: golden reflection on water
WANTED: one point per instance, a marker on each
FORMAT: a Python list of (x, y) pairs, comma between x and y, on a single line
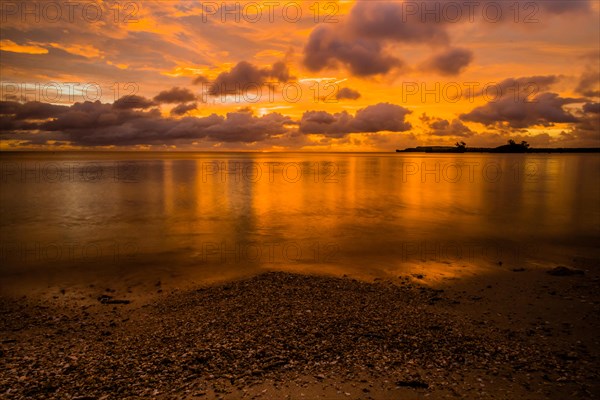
[(199, 217)]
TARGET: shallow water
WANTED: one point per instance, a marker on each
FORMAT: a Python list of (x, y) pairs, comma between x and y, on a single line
[(187, 218)]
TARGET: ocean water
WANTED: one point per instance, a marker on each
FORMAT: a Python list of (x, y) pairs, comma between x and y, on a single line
[(134, 219)]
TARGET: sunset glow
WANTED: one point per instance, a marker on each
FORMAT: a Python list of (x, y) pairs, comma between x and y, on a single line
[(299, 199), (322, 76)]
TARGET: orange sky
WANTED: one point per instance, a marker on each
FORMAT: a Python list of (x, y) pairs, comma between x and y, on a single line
[(298, 75)]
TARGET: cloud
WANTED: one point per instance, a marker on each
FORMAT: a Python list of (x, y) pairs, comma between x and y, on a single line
[(102, 124), (591, 108), (394, 21), (280, 72), (245, 127), (516, 103), (360, 43), (8, 117), (565, 6), (182, 109), (9, 107), (244, 76), (33, 110), (132, 101), (364, 41), (486, 9), (9, 45), (442, 127), (374, 118), (200, 79), (347, 93), (544, 109), (86, 51), (522, 87), (589, 83), (175, 95), (363, 57), (587, 131), (450, 62)]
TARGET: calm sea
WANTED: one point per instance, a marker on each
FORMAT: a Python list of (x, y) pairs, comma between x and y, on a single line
[(133, 219)]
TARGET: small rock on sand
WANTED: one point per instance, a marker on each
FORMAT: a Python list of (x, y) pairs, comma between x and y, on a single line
[(565, 271)]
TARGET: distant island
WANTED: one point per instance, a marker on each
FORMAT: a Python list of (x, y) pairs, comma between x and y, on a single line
[(511, 147)]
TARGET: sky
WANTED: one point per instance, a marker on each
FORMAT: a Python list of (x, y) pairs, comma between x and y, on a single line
[(298, 75)]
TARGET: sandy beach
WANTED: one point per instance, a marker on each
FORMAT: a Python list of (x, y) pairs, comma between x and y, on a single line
[(513, 334), (337, 200)]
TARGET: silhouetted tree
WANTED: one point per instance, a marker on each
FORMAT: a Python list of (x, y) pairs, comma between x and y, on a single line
[(513, 147), (461, 145)]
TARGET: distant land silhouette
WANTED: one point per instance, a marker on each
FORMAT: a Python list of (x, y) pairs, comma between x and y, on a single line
[(511, 147)]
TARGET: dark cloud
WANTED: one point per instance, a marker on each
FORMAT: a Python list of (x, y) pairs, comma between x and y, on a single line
[(30, 110), (182, 109), (589, 83), (133, 101), (391, 20), (175, 95), (450, 62), (200, 79), (442, 127), (245, 76), (9, 107), (522, 87), (98, 124), (375, 118), (591, 108), (280, 71), (564, 6), (363, 57), (245, 127), (587, 131), (544, 109), (89, 116), (362, 41), (439, 10), (8, 123), (347, 93), (359, 43)]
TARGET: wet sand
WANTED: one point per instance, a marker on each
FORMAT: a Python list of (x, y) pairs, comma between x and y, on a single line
[(512, 334)]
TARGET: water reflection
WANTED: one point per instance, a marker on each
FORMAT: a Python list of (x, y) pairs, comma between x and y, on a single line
[(196, 217)]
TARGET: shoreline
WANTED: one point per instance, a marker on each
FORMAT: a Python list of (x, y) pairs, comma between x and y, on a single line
[(279, 335)]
